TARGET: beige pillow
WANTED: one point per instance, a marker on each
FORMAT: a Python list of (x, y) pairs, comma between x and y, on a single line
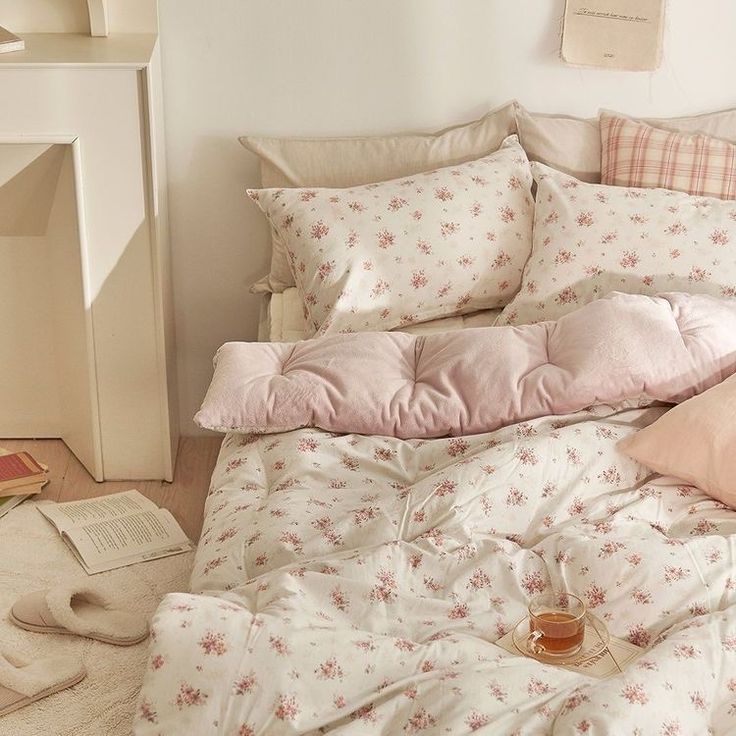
[(695, 441), (566, 143), (573, 145), (346, 162)]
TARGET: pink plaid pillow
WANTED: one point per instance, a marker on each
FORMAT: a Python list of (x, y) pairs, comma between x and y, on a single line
[(634, 154)]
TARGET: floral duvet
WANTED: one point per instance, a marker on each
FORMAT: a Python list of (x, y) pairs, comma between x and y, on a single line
[(351, 584)]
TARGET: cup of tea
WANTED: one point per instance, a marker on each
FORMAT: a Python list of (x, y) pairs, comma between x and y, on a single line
[(556, 624)]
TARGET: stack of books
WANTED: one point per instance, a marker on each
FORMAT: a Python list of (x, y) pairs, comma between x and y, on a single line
[(21, 476)]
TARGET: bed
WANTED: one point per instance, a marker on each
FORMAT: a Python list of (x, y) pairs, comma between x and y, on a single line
[(357, 583), (354, 578)]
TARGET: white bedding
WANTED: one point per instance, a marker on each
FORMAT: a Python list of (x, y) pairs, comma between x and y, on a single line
[(356, 585), (282, 320)]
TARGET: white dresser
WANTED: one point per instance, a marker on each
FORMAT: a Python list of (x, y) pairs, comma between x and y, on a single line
[(86, 324)]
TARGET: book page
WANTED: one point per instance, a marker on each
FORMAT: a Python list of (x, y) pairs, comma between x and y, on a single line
[(66, 516), (612, 661), (126, 539), (10, 502), (613, 34)]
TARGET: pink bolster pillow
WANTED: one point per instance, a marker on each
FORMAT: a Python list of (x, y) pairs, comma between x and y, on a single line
[(667, 348)]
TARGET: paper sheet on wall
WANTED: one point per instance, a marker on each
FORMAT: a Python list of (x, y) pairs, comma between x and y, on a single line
[(613, 34)]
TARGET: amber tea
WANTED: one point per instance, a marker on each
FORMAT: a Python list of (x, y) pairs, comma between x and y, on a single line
[(556, 624)]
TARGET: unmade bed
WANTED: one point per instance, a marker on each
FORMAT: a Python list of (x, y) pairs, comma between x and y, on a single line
[(399, 478), (355, 584)]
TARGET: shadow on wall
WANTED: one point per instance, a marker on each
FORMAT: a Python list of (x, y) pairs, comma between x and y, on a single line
[(547, 48), (78, 363), (213, 270), (28, 180)]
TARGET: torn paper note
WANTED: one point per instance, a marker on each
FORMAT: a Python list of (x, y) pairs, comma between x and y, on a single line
[(613, 34)]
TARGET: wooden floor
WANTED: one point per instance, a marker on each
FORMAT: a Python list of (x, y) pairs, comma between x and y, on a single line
[(184, 497)]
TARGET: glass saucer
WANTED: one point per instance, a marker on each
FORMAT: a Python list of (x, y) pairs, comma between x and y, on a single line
[(594, 643)]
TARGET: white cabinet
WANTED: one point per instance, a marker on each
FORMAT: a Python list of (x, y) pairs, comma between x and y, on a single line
[(86, 325)]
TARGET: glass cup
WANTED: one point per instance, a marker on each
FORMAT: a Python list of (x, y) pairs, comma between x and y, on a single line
[(556, 624)]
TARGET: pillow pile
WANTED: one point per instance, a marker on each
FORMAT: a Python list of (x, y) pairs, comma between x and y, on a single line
[(457, 239), (573, 145), (421, 245), (374, 257)]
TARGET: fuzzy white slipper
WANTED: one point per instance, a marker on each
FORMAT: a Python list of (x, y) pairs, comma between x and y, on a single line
[(78, 610), (22, 682)]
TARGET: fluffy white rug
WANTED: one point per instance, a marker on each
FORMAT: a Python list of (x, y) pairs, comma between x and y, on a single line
[(33, 557)]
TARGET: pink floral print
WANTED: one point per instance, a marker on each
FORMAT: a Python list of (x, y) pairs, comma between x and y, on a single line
[(380, 256), (357, 584), (591, 239)]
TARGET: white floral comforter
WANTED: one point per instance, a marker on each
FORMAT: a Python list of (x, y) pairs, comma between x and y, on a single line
[(356, 585)]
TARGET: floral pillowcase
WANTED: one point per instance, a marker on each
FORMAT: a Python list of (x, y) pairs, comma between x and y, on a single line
[(380, 256), (591, 239)]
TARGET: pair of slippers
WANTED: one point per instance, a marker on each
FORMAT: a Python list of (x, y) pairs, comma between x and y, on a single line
[(76, 610)]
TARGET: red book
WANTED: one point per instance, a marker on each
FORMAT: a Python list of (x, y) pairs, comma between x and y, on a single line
[(20, 469)]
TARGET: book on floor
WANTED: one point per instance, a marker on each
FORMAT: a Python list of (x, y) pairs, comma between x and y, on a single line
[(10, 502), (10, 42), (21, 474), (114, 531)]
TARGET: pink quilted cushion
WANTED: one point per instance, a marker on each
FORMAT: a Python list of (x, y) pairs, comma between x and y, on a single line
[(695, 441), (621, 347)]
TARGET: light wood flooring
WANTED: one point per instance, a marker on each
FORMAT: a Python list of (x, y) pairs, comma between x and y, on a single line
[(184, 497)]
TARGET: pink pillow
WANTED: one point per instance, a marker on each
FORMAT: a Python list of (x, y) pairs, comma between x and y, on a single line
[(695, 441)]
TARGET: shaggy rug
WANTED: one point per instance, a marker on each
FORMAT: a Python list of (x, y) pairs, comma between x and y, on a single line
[(33, 557)]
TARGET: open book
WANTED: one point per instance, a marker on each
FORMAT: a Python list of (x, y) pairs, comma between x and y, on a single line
[(115, 531)]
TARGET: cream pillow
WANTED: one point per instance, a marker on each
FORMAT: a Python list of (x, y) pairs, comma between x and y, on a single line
[(564, 142), (573, 145), (346, 162), (384, 255), (695, 441), (591, 239)]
